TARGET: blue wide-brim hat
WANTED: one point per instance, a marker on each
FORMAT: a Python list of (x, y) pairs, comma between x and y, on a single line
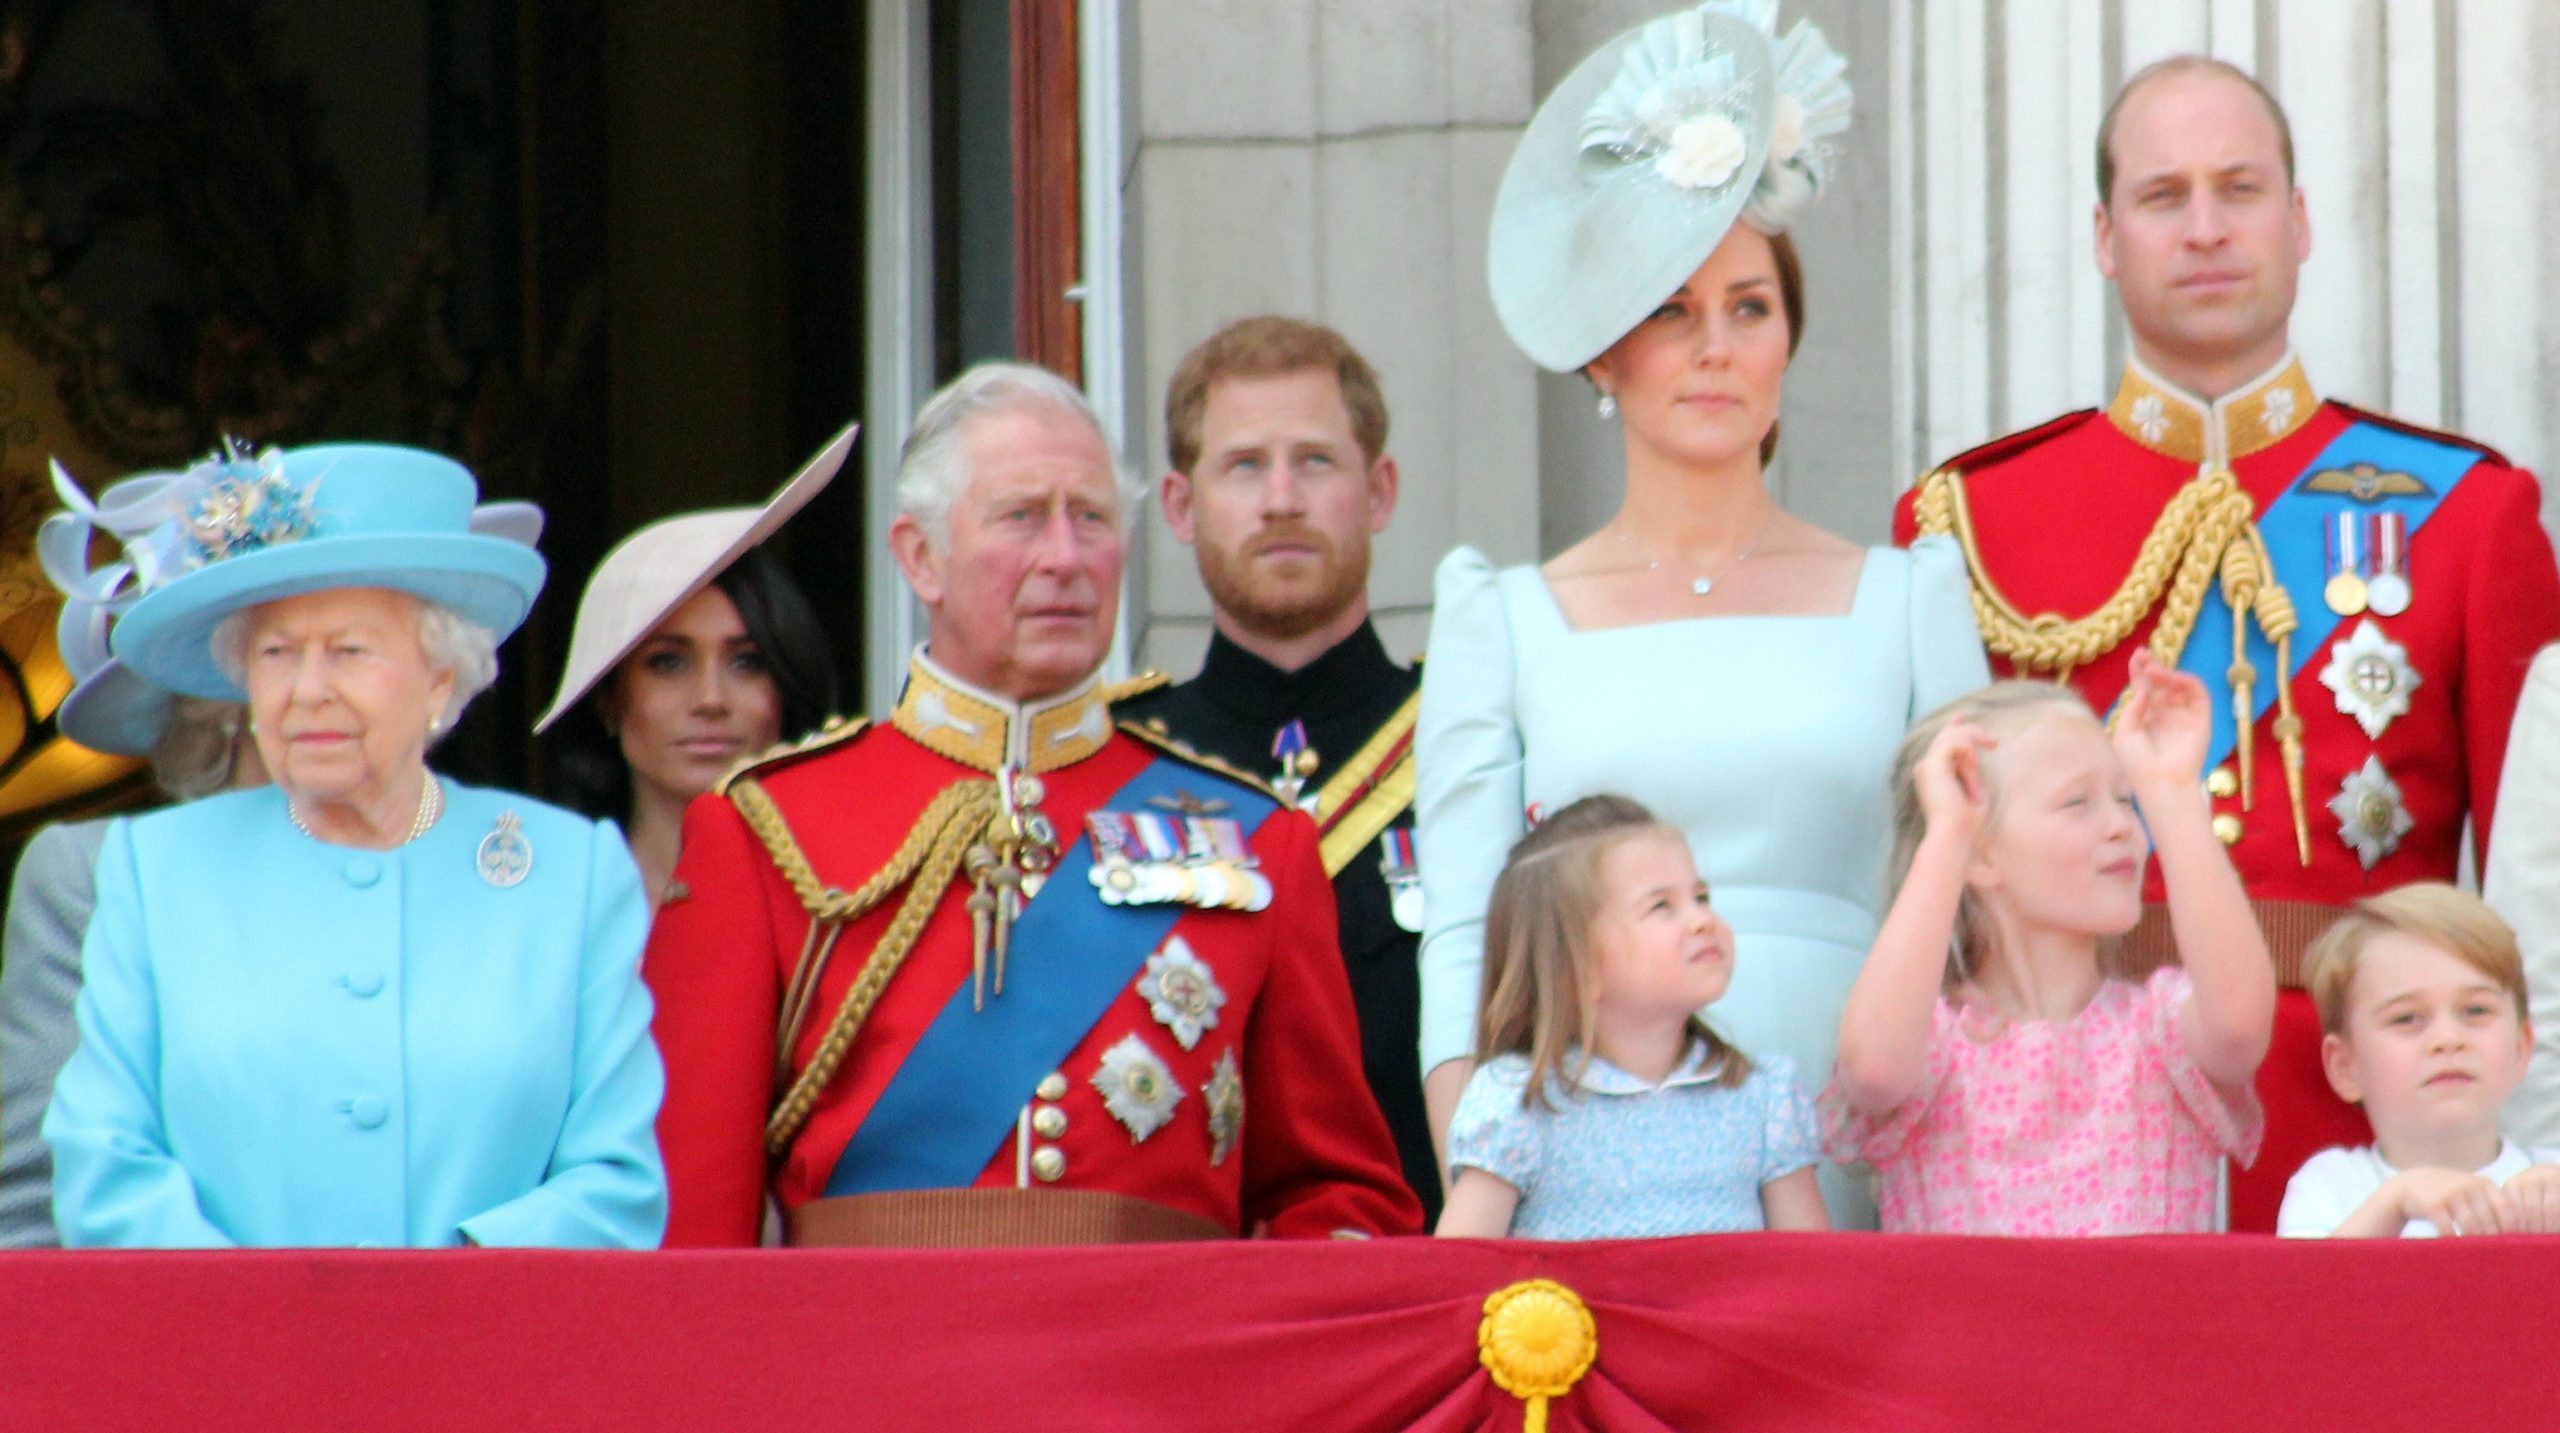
[(343, 515), (1644, 158)]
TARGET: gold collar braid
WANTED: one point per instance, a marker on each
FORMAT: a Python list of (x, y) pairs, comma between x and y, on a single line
[(944, 714), (2206, 531)]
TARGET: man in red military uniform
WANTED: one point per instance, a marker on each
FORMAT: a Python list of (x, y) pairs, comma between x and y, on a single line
[(999, 970), (2363, 595)]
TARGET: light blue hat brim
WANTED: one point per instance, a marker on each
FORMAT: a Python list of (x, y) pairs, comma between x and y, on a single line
[(386, 517), (1581, 251), (115, 711)]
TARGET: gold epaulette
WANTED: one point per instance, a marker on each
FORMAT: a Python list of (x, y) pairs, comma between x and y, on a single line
[(1138, 685), (1370, 791), (1152, 734), (835, 731)]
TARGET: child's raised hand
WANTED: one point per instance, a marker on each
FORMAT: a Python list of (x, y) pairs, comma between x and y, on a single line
[(1949, 779), (2163, 726), (2533, 1201), (2455, 1201)]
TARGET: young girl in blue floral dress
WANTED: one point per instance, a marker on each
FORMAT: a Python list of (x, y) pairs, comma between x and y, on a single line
[(1601, 1105)]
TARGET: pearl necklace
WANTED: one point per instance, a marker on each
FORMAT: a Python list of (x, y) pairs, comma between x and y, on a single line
[(1701, 586), (430, 806)]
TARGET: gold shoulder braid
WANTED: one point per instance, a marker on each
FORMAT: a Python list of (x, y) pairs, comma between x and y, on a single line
[(925, 863), (2205, 532)]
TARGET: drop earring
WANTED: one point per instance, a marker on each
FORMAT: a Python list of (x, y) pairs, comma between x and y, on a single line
[(1608, 406)]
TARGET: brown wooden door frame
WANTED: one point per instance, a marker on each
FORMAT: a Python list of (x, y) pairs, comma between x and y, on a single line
[(1048, 245)]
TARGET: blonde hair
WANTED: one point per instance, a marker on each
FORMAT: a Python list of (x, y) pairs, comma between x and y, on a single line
[(1541, 979), (2453, 921), (1999, 709)]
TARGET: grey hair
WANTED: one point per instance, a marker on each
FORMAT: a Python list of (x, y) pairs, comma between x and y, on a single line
[(451, 642), (932, 466), (198, 746)]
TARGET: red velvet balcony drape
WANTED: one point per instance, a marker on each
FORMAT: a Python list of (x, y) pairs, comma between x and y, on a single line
[(1733, 1333)]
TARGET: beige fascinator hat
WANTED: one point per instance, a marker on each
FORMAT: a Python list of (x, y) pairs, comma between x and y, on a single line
[(1642, 159), (658, 569)]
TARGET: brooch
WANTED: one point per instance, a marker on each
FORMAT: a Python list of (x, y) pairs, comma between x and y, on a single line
[(1181, 992), (1136, 1088), (506, 857), (1225, 1093)]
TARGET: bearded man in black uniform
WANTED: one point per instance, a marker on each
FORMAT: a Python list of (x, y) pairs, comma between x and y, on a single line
[(1277, 432)]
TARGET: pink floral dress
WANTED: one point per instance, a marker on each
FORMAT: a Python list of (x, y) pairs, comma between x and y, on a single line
[(2101, 1124)]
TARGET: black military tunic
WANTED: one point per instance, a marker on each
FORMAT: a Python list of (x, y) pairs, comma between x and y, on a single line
[(1347, 698)]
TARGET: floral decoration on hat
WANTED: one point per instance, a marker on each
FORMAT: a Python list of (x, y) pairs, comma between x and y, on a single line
[(245, 503)]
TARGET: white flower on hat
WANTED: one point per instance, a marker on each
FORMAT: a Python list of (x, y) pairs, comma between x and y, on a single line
[(1786, 129), (1703, 153)]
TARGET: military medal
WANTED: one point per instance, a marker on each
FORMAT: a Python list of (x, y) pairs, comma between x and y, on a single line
[(505, 856), (1225, 1094), (1136, 1088), (2371, 677), (2345, 592), (1298, 761), (1145, 859), (2388, 593), (2371, 815), (1396, 862), (1181, 992)]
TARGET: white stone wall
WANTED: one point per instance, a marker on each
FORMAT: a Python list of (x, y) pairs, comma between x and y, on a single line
[(1335, 160), (1339, 159)]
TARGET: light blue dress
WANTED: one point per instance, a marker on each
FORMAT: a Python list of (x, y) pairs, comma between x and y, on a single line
[(1769, 740), (284, 1042), (1622, 1159)]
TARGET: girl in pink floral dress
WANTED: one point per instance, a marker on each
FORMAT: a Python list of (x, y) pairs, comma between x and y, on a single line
[(1992, 1072)]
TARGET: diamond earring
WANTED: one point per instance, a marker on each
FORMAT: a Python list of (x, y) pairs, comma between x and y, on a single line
[(1608, 406)]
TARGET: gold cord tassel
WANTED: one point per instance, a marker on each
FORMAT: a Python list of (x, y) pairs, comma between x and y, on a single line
[(2276, 618), (2240, 583)]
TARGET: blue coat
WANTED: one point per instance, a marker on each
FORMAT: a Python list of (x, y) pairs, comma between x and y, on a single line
[(284, 1042)]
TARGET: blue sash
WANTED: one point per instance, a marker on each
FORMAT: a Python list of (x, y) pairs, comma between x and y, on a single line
[(2294, 526), (957, 1095)]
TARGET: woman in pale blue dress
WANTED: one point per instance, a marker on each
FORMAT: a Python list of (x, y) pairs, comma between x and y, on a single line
[(1739, 670)]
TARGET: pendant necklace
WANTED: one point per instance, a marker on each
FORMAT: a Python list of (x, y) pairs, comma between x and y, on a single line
[(1701, 586)]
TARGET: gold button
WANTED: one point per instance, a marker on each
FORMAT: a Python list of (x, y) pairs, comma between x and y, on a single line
[(1054, 1087), (1048, 1121), (2226, 828), (2223, 782), (1048, 1162)]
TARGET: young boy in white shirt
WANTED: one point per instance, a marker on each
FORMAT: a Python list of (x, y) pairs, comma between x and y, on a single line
[(2421, 991)]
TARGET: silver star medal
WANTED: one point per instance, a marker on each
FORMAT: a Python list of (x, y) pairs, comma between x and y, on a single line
[(2372, 678), (1181, 992), (1225, 1093), (1136, 1088), (506, 856), (2371, 816)]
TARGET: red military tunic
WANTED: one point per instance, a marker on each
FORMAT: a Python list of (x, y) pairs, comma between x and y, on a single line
[(1313, 1156), (2059, 514)]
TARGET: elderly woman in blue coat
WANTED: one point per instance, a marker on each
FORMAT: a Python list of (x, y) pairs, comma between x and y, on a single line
[(365, 1005)]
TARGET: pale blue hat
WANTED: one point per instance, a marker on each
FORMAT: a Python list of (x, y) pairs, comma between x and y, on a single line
[(288, 522), (1643, 158)]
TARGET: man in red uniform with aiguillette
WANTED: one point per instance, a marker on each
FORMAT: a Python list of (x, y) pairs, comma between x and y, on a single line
[(2361, 595), (999, 971)]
